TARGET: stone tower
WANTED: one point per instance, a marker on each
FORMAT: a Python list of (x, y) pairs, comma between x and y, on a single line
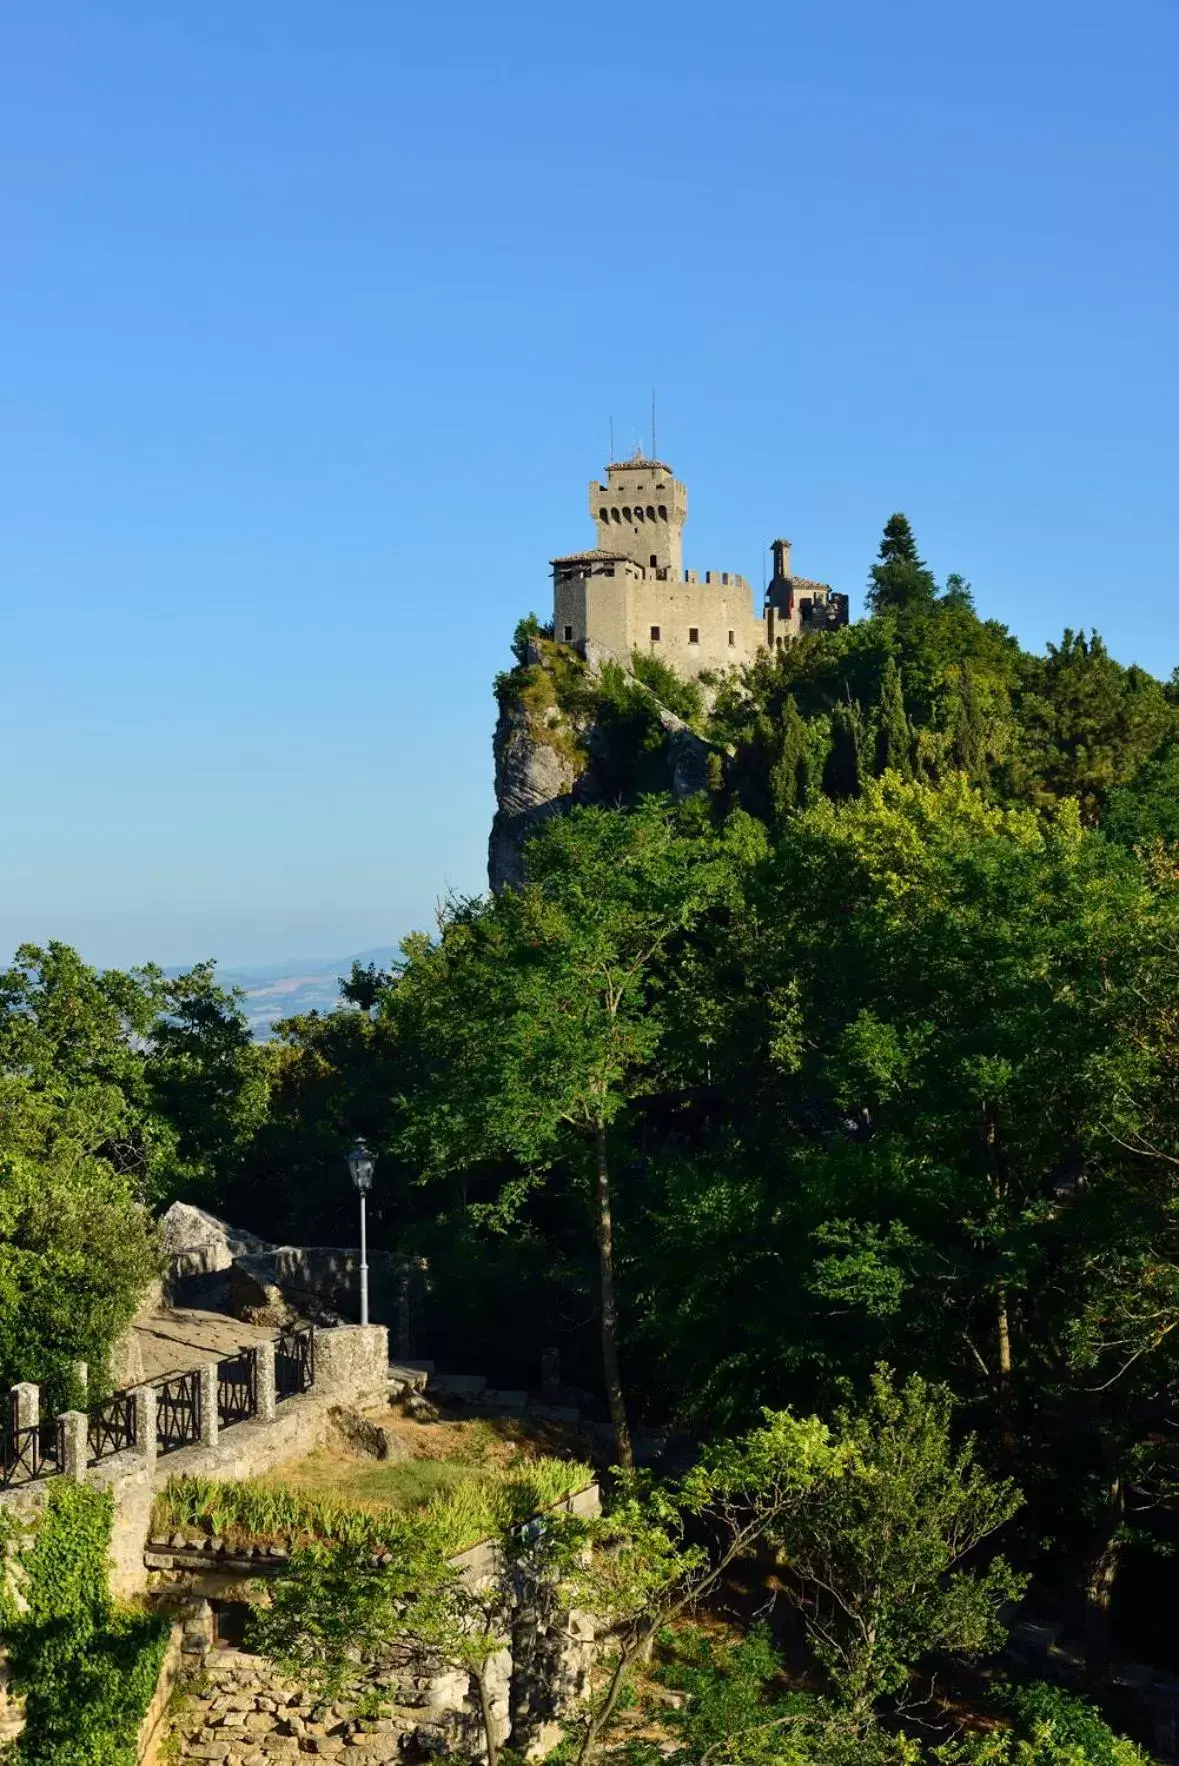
[(640, 513), (631, 592)]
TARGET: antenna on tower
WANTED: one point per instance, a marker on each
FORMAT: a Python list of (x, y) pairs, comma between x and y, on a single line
[(654, 451)]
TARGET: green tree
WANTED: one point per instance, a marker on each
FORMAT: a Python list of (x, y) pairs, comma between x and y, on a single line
[(161, 1069), (901, 579), (1147, 809), (790, 773), (1087, 725), (643, 1565), (543, 1004), (336, 1613), (875, 1553), (844, 768), (76, 1252), (967, 727), (894, 741)]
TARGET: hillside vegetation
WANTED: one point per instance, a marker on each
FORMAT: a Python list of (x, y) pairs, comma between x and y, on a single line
[(838, 1099)]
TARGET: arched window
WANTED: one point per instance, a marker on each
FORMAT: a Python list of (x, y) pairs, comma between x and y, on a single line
[(603, 514), (625, 512), (663, 511), (650, 513), (638, 512), (614, 515)]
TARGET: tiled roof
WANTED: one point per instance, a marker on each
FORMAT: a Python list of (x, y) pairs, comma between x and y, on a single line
[(582, 557)]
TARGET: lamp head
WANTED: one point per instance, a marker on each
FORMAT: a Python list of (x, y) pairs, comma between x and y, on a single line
[(360, 1164)]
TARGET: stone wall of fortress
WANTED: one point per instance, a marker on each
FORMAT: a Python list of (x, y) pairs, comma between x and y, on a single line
[(704, 620)]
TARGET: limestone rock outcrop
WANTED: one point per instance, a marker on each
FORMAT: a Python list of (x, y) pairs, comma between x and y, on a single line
[(197, 1243), (555, 748), (534, 779)]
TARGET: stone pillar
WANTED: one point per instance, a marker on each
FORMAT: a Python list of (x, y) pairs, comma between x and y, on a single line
[(26, 1405), (146, 1435), (264, 1374), (404, 1332), (209, 1420), (353, 1362), (82, 1380), (77, 1449)]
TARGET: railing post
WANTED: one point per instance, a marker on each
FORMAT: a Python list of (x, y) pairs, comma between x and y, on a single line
[(146, 1425), (26, 1405), (209, 1416), (76, 1446), (265, 1389)]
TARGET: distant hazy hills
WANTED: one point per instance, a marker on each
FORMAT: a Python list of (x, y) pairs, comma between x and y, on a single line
[(282, 990)]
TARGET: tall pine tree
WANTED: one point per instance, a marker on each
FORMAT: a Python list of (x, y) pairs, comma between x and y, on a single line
[(901, 579), (967, 728), (790, 774), (843, 768), (894, 740)]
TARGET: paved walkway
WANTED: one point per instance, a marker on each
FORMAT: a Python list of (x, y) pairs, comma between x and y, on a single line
[(173, 1341)]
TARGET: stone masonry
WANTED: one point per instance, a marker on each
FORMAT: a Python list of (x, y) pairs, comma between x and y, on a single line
[(630, 591), (241, 1711)]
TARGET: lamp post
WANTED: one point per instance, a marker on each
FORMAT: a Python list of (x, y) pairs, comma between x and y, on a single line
[(360, 1164)]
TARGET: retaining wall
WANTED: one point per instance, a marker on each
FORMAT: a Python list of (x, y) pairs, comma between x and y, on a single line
[(242, 1712)]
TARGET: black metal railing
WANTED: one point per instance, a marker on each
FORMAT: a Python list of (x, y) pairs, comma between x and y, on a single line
[(294, 1363), (36, 1452), (237, 1388), (110, 1428), (178, 1412)]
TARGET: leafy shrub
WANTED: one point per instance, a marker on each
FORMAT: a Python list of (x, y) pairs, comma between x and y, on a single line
[(681, 697), (735, 1704), (1050, 1727), (87, 1667), (527, 630)]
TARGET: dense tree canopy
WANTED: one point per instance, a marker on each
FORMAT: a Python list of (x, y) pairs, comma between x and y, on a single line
[(118, 1092), (866, 1054)]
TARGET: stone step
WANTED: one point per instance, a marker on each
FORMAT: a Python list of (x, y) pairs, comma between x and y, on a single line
[(409, 1376), (1036, 1634), (457, 1385), (510, 1399)]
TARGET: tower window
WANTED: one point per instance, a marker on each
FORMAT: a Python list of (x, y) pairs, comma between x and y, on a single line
[(663, 511), (650, 512), (654, 560), (732, 638), (614, 515), (654, 634), (693, 634), (569, 634), (603, 514), (625, 512)]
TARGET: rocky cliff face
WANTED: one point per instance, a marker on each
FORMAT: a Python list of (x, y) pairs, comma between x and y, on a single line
[(533, 780), (566, 734)]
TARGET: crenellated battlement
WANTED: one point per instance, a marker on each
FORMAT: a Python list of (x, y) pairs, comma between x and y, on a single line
[(631, 590)]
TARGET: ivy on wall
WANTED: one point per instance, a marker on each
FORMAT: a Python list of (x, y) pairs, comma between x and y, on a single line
[(86, 1666)]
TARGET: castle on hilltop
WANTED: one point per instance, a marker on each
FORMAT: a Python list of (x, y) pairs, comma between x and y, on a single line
[(631, 592)]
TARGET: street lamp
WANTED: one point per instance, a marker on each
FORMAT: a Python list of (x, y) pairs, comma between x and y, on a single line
[(360, 1164)]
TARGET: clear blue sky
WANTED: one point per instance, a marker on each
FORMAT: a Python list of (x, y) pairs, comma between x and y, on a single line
[(312, 319)]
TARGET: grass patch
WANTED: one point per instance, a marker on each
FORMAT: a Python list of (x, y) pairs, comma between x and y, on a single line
[(459, 1505), (406, 1484)]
